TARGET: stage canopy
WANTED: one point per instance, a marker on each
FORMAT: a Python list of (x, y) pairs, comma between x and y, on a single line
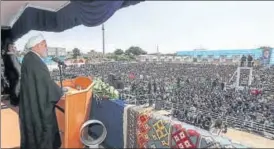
[(19, 17)]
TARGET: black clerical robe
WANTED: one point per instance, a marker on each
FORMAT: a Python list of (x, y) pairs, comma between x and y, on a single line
[(38, 96)]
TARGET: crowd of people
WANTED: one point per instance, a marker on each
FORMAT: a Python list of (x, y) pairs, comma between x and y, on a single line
[(196, 93)]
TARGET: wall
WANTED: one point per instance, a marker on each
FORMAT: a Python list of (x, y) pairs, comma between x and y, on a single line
[(224, 55), (160, 58), (272, 57), (217, 53), (56, 51)]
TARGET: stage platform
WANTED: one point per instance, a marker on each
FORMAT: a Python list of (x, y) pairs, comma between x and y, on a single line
[(10, 133)]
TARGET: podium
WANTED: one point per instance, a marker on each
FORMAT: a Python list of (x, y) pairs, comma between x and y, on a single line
[(73, 110)]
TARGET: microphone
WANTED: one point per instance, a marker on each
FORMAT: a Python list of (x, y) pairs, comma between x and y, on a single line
[(60, 62)]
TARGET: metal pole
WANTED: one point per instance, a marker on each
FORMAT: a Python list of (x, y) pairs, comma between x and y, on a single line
[(61, 76), (158, 53), (250, 76), (103, 32), (238, 77)]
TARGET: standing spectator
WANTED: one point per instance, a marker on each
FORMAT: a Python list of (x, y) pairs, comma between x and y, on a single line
[(250, 61), (149, 87), (243, 60)]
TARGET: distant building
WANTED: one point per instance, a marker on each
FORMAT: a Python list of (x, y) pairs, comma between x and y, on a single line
[(69, 54), (94, 54), (160, 58), (227, 56), (147, 58), (56, 52)]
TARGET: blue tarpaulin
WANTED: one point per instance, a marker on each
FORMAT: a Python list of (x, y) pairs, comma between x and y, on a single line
[(110, 113), (88, 13)]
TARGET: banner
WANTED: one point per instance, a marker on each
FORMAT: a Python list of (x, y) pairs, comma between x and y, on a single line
[(271, 57), (266, 56)]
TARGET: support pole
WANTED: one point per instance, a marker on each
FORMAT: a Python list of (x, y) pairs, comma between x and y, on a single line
[(250, 76), (103, 36), (61, 76), (238, 77)]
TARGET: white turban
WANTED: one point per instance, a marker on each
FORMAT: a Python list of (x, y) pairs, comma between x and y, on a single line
[(33, 41)]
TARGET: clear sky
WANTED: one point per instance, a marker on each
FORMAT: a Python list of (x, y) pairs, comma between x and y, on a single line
[(175, 26)]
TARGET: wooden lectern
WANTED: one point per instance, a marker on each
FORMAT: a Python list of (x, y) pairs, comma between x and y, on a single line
[(73, 110)]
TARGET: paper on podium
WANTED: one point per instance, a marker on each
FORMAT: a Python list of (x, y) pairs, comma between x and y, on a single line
[(71, 90)]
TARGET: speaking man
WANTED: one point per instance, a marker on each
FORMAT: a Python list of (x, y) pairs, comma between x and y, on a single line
[(38, 96)]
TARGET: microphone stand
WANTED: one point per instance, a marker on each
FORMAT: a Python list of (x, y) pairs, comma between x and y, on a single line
[(61, 77), (61, 83)]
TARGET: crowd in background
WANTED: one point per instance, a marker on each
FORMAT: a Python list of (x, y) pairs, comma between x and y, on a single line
[(199, 94)]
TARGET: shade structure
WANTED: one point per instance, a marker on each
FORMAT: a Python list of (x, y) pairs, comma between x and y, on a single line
[(19, 17)]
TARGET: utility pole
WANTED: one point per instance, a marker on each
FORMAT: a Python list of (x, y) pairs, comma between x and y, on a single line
[(103, 32), (158, 53)]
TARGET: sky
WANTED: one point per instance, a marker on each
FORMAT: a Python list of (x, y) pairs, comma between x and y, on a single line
[(174, 26)]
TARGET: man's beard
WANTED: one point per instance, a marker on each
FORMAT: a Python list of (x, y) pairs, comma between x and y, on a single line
[(44, 55)]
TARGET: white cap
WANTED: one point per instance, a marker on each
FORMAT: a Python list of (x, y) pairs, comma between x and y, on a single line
[(34, 40)]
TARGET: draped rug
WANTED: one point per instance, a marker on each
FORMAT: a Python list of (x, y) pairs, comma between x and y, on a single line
[(131, 126), (126, 118), (144, 128), (182, 137), (152, 130), (187, 136)]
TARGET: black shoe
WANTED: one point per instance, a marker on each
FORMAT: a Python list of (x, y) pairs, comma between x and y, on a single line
[(14, 103)]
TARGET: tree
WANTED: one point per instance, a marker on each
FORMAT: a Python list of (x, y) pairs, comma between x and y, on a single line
[(135, 51), (118, 52), (76, 52), (86, 58)]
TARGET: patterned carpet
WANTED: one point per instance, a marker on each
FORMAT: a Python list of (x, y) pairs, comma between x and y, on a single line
[(152, 131), (147, 129), (131, 125)]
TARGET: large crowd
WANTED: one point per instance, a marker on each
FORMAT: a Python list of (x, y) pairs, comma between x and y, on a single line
[(198, 94)]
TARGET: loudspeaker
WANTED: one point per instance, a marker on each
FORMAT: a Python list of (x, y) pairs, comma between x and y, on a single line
[(116, 82), (159, 105), (119, 84), (111, 78)]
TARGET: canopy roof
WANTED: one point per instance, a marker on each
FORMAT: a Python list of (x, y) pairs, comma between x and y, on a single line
[(19, 17)]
